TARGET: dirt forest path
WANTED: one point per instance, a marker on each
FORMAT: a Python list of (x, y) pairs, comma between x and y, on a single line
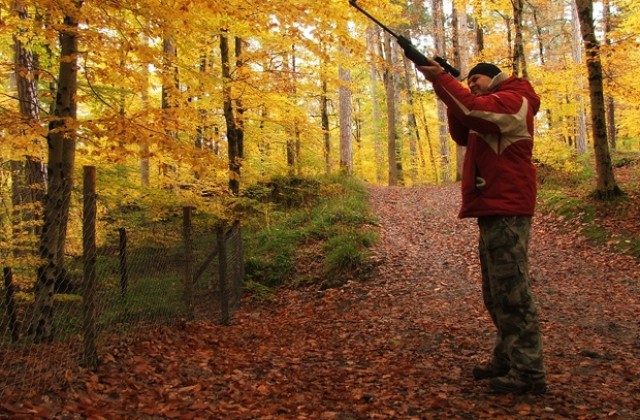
[(398, 346)]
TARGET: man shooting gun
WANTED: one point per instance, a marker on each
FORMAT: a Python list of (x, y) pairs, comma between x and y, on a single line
[(494, 118)]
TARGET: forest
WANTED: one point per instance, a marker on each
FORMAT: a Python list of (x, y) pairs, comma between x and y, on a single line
[(202, 104)]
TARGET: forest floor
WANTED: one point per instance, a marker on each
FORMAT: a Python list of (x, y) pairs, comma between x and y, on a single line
[(400, 345)]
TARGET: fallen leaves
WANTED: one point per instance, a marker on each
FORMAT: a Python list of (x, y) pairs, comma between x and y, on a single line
[(401, 345)]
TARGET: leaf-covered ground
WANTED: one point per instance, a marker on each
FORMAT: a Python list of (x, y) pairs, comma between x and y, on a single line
[(400, 345)]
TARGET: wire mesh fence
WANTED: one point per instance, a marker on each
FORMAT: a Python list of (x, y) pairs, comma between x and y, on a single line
[(113, 280)]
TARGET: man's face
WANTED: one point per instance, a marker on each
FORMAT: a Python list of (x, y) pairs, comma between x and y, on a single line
[(479, 84)]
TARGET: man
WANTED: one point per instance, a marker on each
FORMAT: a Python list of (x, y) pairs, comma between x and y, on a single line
[(494, 120)]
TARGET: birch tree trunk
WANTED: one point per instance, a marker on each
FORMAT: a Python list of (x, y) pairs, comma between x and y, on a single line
[(606, 187), (611, 105), (461, 57), (581, 117), (412, 124), (392, 135), (443, 132), (61, 140), (346, 143), (373, 46)]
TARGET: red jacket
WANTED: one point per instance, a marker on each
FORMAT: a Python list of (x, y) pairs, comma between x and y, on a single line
[(498, 177)]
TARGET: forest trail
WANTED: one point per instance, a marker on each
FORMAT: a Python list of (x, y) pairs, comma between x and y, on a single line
[(400, 345)]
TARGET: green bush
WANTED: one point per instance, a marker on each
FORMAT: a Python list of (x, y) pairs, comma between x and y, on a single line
[(325, 215)]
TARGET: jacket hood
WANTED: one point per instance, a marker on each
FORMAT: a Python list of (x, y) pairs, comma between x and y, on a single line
[(505, 82)]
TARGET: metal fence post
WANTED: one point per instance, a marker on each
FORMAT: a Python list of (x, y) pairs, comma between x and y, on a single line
[(124, 270), (222, 270), (90, 356), (188, 260), (11, 307)]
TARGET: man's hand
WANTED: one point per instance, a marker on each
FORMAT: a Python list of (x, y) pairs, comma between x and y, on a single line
[(431, 71)]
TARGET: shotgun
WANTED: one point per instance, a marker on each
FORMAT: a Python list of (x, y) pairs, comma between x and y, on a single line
[(409, 50)]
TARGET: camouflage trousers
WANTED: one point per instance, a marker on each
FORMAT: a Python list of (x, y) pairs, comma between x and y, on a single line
[(506, 291)]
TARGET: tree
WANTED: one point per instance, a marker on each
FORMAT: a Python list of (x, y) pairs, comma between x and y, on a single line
[(519, 57), (440, 45), (460, 54), (580, 138), (233, 130), (28, 178), (392, 133), (62, 142), (373, 47), (607, 187), (611, 105), (346, 133)]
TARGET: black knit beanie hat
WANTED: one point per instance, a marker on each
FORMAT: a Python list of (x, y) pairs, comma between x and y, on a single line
[(487, 69)]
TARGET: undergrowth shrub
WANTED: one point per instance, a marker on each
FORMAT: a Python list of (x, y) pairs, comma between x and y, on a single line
[(312, 224)]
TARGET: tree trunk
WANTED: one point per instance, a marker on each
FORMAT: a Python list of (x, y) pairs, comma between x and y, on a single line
[(324, 121), (443, 132), (412, 123), (170, 103), (519, 58), (580, 142), (346, 132), (145, 152), (61, 141), (606, 184), (239, 146), (611, 105), (460, 56), (373, 47), (392, 136), (30, 178), (230, 118)]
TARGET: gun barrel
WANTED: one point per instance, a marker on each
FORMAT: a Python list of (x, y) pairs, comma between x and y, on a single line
[(364, 12)]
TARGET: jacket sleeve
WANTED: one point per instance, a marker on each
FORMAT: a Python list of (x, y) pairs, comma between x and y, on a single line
[(474, 112), (458, 131)]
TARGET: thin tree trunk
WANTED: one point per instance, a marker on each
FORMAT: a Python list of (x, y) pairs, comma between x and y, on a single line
[(230, 118), (324, 121), (412, 124), (239, 146), (392, 136), (461, 57), (519, 58), (373, 45), (610, 102), (607, 187), (580, 142), (145, 151), (346, 132), (30, 179), (170, 101), (61, 141), (443, 132)]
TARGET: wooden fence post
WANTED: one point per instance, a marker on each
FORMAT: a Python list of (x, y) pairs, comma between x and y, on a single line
[(124, 271), (11, 307), (90, 356), (188, 260), (222, 271)]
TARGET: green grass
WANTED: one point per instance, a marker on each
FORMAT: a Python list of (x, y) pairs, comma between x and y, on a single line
[(331, 218), (570, 197), (147, 299)]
